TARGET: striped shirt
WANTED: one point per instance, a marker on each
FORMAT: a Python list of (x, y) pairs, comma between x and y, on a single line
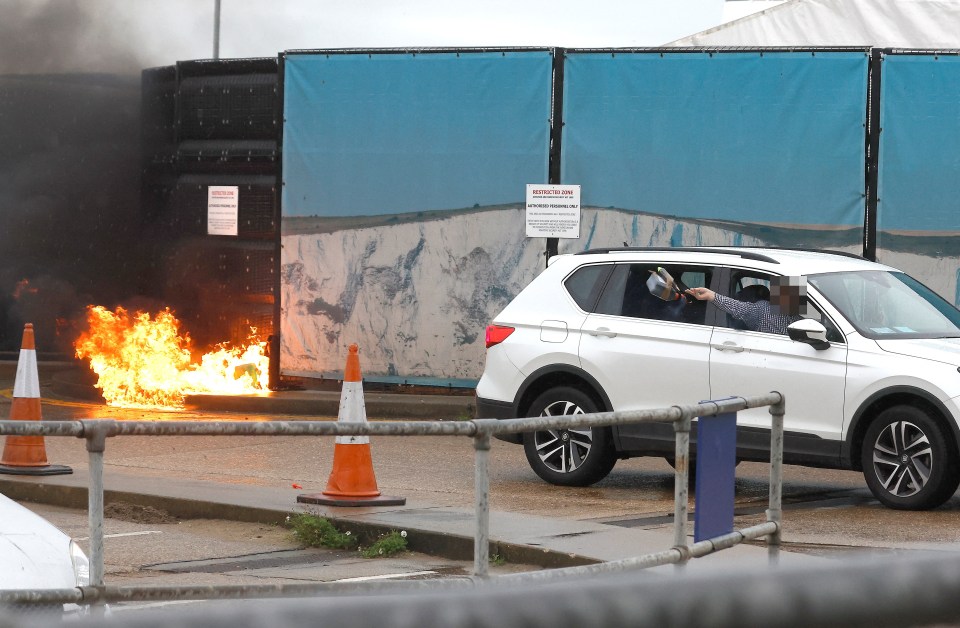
[(757, 316)]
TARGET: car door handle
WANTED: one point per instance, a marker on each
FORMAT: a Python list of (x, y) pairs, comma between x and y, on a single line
[(729, 346), (602, 331)]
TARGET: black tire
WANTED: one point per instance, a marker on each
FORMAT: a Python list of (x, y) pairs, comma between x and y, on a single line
[(909, 459), (571, 457)]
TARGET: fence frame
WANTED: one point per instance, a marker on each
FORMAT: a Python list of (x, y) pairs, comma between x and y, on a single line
[(96, 432)]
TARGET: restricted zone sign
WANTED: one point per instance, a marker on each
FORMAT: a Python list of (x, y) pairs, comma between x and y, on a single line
[(223, 202), (553, 211)]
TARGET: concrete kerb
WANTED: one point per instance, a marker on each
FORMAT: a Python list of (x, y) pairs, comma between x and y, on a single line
[(327, 403), (430, 542)]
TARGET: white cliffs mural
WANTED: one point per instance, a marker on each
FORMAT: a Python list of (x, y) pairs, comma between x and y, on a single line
[(416, 291), (416, 296)]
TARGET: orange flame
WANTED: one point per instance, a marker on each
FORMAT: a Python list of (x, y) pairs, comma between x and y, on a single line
[(144, 362)]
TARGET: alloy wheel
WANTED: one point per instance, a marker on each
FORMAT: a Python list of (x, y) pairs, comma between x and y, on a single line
[(564, 450), (902, 458)]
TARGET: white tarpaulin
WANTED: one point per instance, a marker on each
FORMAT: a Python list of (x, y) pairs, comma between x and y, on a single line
[(927, 24)]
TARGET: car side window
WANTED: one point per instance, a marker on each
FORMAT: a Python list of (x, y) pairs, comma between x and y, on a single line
[(626, 293), (585, 283), (748, 288), (751, 287)]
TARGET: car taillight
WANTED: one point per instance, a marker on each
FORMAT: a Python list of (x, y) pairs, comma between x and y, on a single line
[(497, 334)]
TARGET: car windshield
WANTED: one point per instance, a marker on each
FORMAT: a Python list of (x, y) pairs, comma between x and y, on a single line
[(883, 304)]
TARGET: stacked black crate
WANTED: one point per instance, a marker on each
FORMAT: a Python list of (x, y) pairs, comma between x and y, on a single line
[(158, 165), (158, 139), (226, 123)]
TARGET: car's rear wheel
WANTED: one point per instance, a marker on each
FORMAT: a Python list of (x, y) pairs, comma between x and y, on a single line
[(569, 456), (909, 462)]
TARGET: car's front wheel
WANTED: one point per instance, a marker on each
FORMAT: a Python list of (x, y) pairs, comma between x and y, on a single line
[(909, 460), (569, 456)]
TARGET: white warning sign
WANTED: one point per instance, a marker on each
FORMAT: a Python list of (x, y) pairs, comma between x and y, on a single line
[(223, 202), (553, 211)]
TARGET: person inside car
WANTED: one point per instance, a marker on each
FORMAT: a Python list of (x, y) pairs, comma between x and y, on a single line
[(787, 303)]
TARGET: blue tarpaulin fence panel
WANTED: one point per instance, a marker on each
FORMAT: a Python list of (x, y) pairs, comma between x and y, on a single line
[(918, 189), (388, 133), (920, 143), (767, 137)]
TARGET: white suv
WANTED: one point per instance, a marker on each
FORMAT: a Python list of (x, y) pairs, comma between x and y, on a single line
[(870, 374)]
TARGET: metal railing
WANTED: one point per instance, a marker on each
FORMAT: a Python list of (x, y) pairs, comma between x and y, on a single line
[(856, 592), (97, 431)]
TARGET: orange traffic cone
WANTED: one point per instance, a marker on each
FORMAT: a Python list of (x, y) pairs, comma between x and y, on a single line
[(26, 455), (352, 481)]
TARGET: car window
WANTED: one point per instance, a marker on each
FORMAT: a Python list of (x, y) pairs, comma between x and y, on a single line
[(882, 304), (833, 332), (585, 283), (626, 293), (746, 287), (752, 287)]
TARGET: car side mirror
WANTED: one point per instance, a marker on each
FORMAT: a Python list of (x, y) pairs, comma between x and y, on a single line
[(809, 331)]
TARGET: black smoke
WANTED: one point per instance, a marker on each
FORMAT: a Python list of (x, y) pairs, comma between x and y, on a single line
[(56, 36), (69, 171)]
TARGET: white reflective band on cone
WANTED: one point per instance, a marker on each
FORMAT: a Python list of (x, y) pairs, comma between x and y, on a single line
[(27, 384), (352, 410)]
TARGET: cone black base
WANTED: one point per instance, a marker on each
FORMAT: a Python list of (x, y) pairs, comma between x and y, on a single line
[(331, 500), (50, 469)]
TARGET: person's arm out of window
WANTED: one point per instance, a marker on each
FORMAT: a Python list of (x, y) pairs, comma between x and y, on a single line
[(749, 313)]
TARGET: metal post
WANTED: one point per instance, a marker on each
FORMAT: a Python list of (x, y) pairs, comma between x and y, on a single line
[(556, 136), (681, 480), (95, 432), (95, 515), (775, 510), (481, 544), (875, 73), (216, 29)]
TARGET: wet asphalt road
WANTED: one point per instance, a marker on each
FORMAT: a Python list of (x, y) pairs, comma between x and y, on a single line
[(826, 512)]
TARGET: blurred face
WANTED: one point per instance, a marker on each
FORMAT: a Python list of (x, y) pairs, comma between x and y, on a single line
[(788, 296)]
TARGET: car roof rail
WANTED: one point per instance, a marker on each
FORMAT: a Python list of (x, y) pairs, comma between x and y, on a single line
[(724, 250), (760, 257), (825, 251)]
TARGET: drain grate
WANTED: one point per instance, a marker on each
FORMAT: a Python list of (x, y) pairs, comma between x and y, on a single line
[(837, 499)]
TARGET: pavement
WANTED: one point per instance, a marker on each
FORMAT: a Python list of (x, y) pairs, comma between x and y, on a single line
[(433, 528)]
